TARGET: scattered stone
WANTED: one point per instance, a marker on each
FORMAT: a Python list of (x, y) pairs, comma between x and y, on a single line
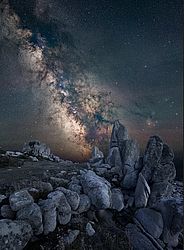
[(117, 201), (7, 213), (14, 234), (33, 158), (142, 192), (71, 237), (72, 197), (49, 215), (32, 214), (97, 188), (84, 204), (20, 199), (151, 220), (89, 229)]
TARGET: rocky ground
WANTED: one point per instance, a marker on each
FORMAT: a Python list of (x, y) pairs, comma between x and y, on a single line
[(124, 201)]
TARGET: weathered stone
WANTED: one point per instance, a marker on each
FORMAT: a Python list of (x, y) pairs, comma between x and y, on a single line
[(119, 134), (32, 214), (167, 155), (14, 234), (151, 220), (75, 187), (159, 190), (71, 237), (114, 160), (89, 229), (137, 239), (152, 157), (142, 192), (43, 187), (48, 209), (72, 197), (20, 199), (117, 199), (166, 172), (172, 213), (97, 188), (84, 204), (6, 212)]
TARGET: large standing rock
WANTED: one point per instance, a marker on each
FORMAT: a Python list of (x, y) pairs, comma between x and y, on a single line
[(20, 199), (151, 220), (14, 234), (137, 239), (117, 199), (119, 134), (72, 197), (97, 188), (36, 148), (166, 172), (32, 214), (142, 192), (167, 155), (97, 157), (131, 166), (114, 160), (152, 157), (48, 209), (172, 213)]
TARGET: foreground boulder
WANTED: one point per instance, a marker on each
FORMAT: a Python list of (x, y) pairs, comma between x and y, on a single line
[(97, 188), (20, 199), (151, 220), (32, 214), (14, 234)]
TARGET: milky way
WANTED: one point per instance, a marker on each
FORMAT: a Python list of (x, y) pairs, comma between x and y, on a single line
[(70, 68)]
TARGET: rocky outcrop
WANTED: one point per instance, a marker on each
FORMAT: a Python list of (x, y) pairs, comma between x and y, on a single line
[(124, 188)]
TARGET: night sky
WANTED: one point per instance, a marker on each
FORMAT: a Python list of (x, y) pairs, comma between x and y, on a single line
[(69, 68)]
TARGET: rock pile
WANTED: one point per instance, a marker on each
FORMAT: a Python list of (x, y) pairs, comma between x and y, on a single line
[(123, 183)]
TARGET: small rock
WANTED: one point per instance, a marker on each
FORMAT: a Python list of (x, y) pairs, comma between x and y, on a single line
[(58, 182), (71, 237), (89, 229), (7, 213), (117, 201), (20, 199), (2, 198)]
